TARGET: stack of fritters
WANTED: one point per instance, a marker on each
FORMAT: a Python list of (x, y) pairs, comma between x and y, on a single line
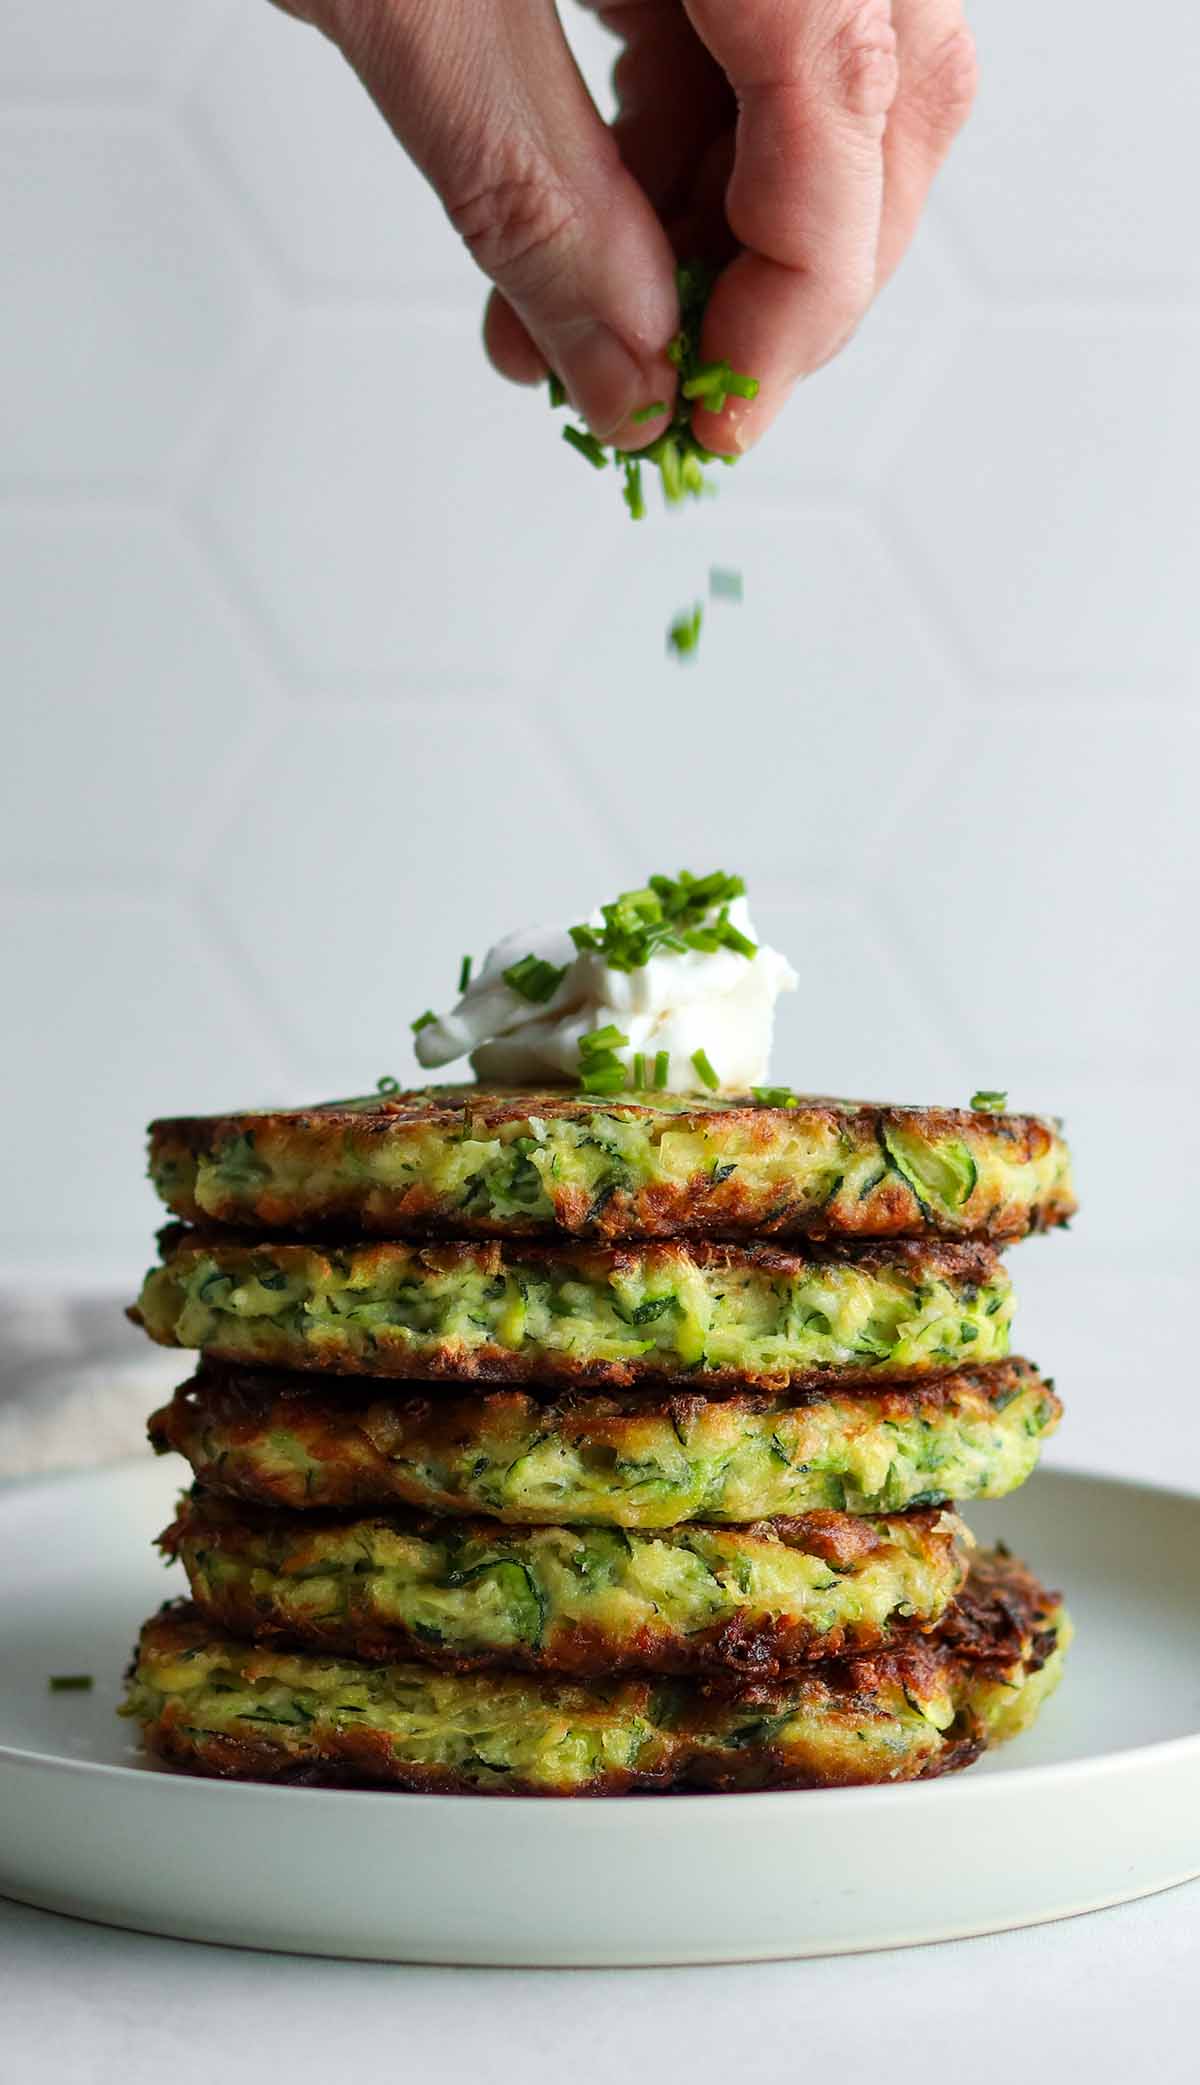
[(550, 1444)]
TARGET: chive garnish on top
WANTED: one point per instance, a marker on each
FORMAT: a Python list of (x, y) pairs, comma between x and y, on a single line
[(704, 1070), (387, 1084), (669, 915), (989, 1102), (424, 1020), (534, 979)]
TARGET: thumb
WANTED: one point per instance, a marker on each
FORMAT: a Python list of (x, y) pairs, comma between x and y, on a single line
[(487, 99)]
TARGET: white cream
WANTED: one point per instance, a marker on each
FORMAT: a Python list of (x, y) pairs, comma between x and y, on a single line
[(722, 1004)]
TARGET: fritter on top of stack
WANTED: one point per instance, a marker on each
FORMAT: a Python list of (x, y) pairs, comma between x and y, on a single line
[(557, 1443)]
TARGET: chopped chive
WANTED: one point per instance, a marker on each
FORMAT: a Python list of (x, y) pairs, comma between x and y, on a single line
[(71, 1683), (558, 392), (649, 412), (597, 1039), (775, 1096), (632, 493), (662, 1070), (464, 975), (603, 1077), (741, 386), (587, 445), (387, 1084), (667, 916), (989, 1102), (425, 1020), (684, 633), (724, 585), (534, 979), (639, 1072), (705, 1070)]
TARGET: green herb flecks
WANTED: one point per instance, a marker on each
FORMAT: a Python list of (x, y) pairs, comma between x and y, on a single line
[(425, 1020), (534, 979), (71, 1683), (989, 1102), (662, 1070), (683, 637), (587, 446), (387, 1084), (600, 1068), (704, 1070), (678, 457), (775, 1096), (668, 915), (724, 585), (464, 975)]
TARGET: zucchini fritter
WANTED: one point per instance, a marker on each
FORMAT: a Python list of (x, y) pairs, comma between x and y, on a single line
[(463, 1160), (216, 1706), (629, 1459), (466, 1593), (670, 1311)]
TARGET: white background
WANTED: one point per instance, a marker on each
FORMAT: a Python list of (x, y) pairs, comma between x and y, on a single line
[(322, 661)]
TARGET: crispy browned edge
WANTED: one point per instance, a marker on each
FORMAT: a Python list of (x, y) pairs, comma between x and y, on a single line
[(761, 1648), (697, 1206), (969, 1260), (1002, 1617), (241, 1403)]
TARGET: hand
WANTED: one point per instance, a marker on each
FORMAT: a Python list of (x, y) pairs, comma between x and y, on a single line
[(792, 141)]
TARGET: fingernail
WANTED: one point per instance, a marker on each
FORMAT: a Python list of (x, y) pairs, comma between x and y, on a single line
[(603, 380)]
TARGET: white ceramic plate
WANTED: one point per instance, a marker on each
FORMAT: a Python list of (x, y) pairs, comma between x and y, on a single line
[(1101, 1802)]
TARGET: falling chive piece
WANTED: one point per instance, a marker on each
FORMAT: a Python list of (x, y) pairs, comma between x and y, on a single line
[(684, 634), (387, 1084), (464, 975), (425, 1020), (534, 979), (988, 1102), (662, 1070), (558, 392), (724, 585), (704, 1070), (71, 1683), (639, 1072)]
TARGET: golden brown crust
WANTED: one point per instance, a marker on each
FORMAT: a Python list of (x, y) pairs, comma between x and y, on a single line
[(262, 1611), (1013, 1628), (971, 1264), (305, 1146)]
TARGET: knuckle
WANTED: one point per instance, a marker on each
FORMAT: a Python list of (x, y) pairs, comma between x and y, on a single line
[(859, 60), (513, 218), (942, 92)]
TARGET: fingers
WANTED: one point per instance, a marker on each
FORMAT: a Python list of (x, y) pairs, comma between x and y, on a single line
[(938, 77), (487, 99), (815, 80), (509, 347)]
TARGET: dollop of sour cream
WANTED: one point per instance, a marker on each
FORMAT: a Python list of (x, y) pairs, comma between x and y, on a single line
[(721, 1004)]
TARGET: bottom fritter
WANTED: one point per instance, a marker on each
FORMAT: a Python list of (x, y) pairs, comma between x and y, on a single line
[(216, 1706), (467, 1593)]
